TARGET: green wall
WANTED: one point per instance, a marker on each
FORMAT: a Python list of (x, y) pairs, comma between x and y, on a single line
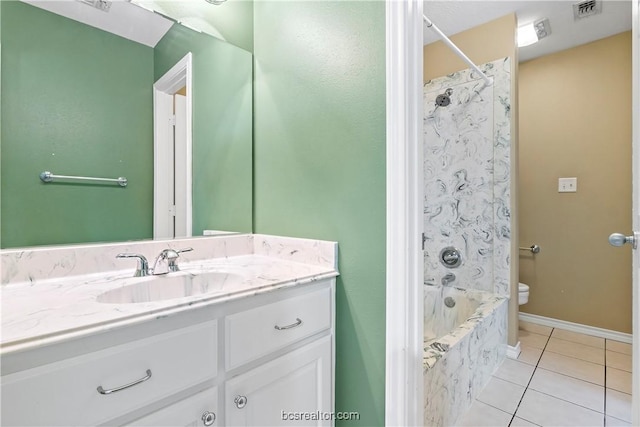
[(78, 101), (222, 127), (319, 165), (75, 101)]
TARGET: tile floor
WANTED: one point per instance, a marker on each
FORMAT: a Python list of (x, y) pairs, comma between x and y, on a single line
[(561, 378)]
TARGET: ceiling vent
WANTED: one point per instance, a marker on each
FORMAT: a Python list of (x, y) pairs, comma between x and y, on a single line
[(103, 5), (586, 9)]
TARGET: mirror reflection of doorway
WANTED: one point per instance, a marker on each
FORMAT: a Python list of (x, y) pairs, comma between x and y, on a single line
[(172, 97)]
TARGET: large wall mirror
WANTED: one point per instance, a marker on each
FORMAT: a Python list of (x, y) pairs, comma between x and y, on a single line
[(77, 100)]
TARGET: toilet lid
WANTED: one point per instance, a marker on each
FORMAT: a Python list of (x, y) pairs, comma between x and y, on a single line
[(523, 288)]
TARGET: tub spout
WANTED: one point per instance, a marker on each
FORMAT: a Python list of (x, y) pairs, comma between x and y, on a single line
[(448, 278)]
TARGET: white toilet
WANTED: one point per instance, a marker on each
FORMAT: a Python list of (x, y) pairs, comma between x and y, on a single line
[(523, 293)]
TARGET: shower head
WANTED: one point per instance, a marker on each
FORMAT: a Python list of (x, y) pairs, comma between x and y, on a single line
[(444, 99)]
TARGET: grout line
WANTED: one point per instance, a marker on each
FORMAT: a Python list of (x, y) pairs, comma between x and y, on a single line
[(535, 368), (605, 384)]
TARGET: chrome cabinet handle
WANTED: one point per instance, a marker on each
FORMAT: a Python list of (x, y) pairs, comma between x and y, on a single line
[(240, 401), (113, 390), (208, 418), (291, 326)]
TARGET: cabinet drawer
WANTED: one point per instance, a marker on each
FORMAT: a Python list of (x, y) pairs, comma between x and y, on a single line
[(257, 332), (188, 412), (66, 392)]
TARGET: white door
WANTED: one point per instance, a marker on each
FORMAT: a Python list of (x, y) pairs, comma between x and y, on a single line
[(180, 177), (633, 240), (172, 146), (636, 213), (291, 390)]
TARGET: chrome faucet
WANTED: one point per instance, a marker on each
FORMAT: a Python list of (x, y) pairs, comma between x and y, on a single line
[(143, 266), (448, 278), (166, 261)]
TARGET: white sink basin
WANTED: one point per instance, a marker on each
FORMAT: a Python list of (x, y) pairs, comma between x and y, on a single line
[(171, 286)]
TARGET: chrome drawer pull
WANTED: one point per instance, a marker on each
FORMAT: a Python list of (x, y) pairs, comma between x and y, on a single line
[(113, 390), (291, 326)]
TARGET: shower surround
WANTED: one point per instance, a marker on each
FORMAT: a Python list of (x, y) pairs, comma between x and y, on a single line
[(467, 197)]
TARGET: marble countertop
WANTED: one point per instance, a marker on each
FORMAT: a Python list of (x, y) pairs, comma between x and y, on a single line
[(37, 313)]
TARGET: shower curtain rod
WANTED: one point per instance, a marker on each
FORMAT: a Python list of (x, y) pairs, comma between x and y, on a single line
[(456, 49)]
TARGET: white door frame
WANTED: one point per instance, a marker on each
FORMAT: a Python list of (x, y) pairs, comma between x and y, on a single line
[(179, 76), (404, 307), (635, 123)]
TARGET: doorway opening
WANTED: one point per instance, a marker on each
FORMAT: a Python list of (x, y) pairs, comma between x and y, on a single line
[(172, 148)]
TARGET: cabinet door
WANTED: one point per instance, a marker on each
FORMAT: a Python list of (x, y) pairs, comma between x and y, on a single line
[(293, 390), (197, 410)]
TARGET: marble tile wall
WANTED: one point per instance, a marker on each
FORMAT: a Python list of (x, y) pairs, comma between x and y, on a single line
[(454, 377), (467, 177)]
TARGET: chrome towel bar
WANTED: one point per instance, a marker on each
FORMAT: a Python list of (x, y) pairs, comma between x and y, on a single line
[(47, 176), (533, 249)]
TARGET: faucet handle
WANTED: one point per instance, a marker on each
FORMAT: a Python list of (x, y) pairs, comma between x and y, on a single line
[(172, 261), (143, 266), (170, 256)]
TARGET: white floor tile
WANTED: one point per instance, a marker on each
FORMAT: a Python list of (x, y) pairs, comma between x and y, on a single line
[(618, 380), (614, 422), (534, 340), (480, 415), (519, 422), (618, 360), (577, 337), (576, 368), (545, 410), (529, 355), (619, 347), (535, 328), (502, 394), (577, 350), (515, 372), (619, 405), (576, 391)]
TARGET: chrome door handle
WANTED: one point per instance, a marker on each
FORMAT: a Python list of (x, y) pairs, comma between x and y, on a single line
[(122, 387), (297, 323), (617, 239)]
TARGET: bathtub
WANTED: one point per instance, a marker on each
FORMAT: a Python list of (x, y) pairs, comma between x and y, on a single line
[(465, 340)]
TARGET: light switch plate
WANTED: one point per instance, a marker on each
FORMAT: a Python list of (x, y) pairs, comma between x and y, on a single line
[(567, 185)]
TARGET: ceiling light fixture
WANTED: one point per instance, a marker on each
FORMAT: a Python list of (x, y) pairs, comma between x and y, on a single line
[(531, 33), (216, 2)]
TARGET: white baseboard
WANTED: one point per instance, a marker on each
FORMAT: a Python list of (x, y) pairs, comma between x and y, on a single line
[(513, 351), (577, 327)]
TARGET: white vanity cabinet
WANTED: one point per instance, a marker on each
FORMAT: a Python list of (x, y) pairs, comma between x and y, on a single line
[(189, 369), (93, 388), (197, 410), (294, 389)]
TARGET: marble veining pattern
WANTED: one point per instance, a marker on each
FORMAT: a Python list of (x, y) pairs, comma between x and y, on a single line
[(459, 364), (467, 149), (467, 177), (64, 305)]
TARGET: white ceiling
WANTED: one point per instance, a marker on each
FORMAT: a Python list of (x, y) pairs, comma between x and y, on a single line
[(454, 16), (123, 18)]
